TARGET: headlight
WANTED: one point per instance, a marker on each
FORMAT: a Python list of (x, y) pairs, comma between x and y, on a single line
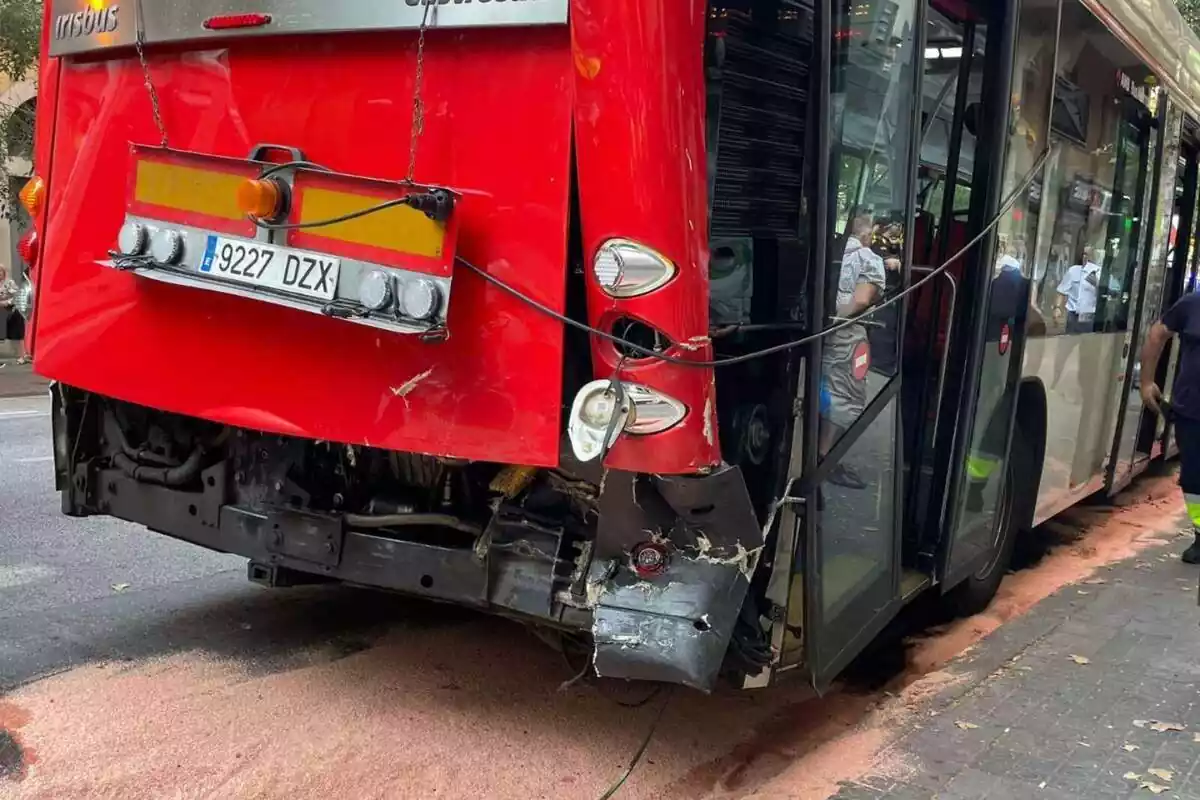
[(166, 246), (628, 269), (375, 290), (131, 241), (599, 415), (420, 298), (653, 412)]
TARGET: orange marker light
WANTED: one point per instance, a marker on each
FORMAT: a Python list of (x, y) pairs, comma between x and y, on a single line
[(33, 195), (260, 198)]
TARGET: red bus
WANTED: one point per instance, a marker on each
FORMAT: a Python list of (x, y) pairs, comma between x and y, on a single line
[(704, 335)]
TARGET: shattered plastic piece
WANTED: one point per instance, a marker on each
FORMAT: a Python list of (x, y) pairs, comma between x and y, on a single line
[(1132, 776), (120, 587), (1129, 748), (1157, 788), (1141, 723), (966, 726), (1196, 737), (1164, 774), (1095, 581), (1081, 659)]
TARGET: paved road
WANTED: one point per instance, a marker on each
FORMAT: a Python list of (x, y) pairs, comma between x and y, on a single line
[(59, 607), (187, 676)]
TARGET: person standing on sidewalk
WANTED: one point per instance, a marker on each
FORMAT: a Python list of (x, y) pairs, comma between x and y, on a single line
[(14, 321), (1182, 320)]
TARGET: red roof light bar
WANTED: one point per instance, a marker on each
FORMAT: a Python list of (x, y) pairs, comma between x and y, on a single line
[(226, 22)]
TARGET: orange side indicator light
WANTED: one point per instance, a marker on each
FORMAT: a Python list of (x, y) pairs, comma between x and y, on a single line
[(33, 195), (261, 198)]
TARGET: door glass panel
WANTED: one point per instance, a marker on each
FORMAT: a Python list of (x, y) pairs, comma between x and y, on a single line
[(857, 536), (1161, 252), (853, 580), (1007, 295), (870, 130)]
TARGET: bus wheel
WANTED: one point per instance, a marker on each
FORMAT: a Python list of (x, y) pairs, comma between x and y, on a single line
[(973, 594)]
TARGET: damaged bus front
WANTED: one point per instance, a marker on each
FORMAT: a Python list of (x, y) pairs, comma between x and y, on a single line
[(302, 275)]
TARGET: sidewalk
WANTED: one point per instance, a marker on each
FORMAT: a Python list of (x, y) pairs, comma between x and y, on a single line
[(1094, 693)]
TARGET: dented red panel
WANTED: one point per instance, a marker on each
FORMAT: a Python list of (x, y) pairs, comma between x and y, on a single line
[(497, 130), (642, 175)]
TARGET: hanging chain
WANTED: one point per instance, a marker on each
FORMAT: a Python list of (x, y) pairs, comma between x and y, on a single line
[(418, 111), (139, 45)]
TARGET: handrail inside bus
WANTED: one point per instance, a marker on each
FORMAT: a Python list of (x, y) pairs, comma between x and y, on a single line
[(946, 345)]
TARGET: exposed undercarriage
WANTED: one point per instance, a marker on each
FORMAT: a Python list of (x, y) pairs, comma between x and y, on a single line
[(653, 571)]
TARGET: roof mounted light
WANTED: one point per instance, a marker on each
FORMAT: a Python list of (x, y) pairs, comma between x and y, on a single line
[(225, 22), (624, 268)]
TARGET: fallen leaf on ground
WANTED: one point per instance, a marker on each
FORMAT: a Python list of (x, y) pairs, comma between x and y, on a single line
[(966, 726), (1165, 774), (1157, 788), (1132, 776), (1129, 748), (120, 587), (1081, 659), (1163, 727)]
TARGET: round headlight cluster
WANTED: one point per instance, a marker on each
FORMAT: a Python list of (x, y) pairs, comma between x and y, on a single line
[(410, 297), (164, 245)]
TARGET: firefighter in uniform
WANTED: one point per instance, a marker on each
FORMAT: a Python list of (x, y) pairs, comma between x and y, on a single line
[(1182, 320)]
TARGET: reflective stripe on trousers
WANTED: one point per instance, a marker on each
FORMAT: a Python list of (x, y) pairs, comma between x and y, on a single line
[(980, 467), (1192, 501)]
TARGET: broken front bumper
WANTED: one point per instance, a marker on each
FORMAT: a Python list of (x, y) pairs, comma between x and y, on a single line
[(674, 625)]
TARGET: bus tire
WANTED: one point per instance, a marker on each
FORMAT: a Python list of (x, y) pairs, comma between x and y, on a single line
[(975, 593)]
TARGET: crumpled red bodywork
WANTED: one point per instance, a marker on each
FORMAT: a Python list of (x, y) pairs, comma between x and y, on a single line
[(500, 106)]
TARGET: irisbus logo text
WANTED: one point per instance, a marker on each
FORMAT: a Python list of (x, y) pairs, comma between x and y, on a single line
[(86, 23)]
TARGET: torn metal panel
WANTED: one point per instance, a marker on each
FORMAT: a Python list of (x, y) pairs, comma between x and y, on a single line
[(675, 628)]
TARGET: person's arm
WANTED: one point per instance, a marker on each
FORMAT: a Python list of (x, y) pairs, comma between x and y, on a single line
[(1160, 333), (865, 295)]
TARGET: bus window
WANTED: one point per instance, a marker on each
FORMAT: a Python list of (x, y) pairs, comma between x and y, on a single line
[(871, 109), (1091, 240), (1005, 289)]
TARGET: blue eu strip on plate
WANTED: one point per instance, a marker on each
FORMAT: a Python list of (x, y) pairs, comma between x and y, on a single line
[(210, 250)]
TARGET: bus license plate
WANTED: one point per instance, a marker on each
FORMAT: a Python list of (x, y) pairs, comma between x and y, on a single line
[(282, 269)]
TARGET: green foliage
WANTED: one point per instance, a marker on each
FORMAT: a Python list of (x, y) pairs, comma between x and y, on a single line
[(20, 38), (20, 35), (1190, 9)]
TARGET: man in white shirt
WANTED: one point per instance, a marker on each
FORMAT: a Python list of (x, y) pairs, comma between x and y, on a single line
[(1079, 292)]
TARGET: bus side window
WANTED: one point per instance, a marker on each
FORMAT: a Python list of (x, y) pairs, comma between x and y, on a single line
[(1097, 187)]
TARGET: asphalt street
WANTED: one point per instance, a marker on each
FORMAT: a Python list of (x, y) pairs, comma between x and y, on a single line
[(75, 591), (136, 666)]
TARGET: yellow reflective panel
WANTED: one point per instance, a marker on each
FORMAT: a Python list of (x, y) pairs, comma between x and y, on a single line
[(189, 189), (399, 228)]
